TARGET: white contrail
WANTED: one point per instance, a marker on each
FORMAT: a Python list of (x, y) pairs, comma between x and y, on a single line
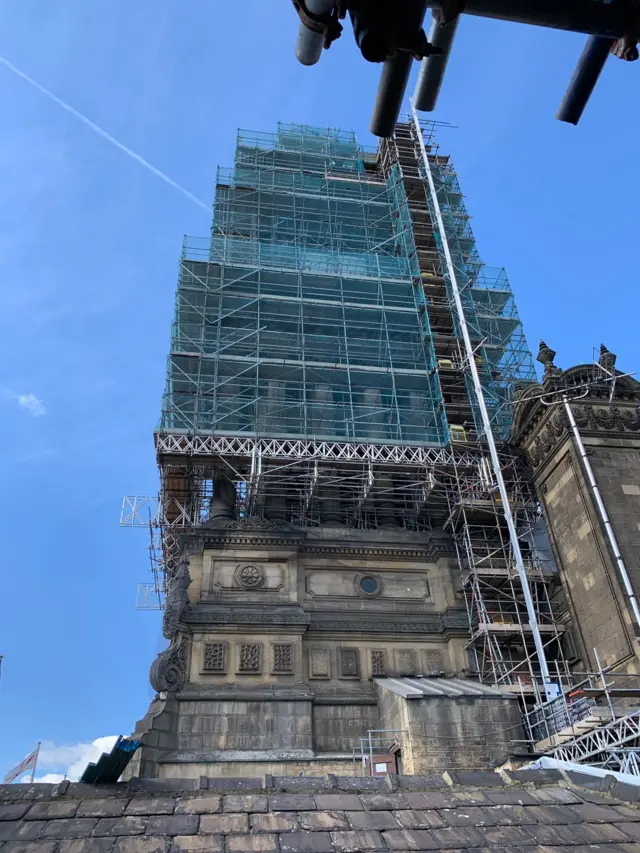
[(104, 134)]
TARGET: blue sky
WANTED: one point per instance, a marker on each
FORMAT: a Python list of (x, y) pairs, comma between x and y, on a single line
[(89, 247)]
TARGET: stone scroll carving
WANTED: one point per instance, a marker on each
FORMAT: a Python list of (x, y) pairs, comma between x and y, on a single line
[(169, 669)]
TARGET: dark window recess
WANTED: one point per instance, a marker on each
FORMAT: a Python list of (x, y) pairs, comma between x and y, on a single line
[(369, 584)]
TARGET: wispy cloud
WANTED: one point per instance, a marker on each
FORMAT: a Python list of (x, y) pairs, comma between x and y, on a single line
[(28, 402), (70, 760), (32, 404), (103, 133)]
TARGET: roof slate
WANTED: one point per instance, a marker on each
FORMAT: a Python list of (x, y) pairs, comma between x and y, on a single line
[(519, 812)]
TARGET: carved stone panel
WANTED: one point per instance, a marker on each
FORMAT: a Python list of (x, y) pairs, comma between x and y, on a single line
[(267, 580), (214, 657), (406, 661), (432, 661), (250, 657), (349, 663), (319, 663), (378, 667), (282, 657)]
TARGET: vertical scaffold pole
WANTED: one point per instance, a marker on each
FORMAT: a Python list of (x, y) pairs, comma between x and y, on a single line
[(550, 691)]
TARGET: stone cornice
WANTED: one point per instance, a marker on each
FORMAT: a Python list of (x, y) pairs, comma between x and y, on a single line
[(431, 551), (591, 420), (201, 617), (530, 411), (388, 623), (455, 621)]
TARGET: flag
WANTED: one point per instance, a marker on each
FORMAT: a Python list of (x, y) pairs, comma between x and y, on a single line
[(29, 763)]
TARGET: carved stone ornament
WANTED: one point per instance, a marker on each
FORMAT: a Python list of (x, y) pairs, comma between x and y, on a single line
[(250, 576), (214, 657), (250, 523), (546, 356), (169, 670), (282, 657), (406, 661), (319, 663), (377, 662), (586, 417), (250, 657), (177, 599)]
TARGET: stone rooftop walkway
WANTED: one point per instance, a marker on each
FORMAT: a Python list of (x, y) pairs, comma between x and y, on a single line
[(514, 812)]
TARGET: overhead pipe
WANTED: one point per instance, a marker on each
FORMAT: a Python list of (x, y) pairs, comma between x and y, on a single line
[(394, 79), (390, 94), (591, 17), (433, 67), (309, 44), (584, 79)]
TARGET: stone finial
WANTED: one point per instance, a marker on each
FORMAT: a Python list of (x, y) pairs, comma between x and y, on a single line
[(545, 356), (607, 359)]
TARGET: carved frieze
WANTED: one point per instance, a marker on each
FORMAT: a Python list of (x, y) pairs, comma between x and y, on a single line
[(587, 417)]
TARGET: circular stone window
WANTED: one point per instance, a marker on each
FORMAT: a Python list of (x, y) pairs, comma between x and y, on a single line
[(370, 586)]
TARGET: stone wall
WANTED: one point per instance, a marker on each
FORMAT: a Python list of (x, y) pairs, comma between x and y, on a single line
[(248, 725), (460, 732), (592, 587), (338, 728), (608, 420), (275, 643)]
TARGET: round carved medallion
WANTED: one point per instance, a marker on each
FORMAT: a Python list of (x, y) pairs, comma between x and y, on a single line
[(250, 577)]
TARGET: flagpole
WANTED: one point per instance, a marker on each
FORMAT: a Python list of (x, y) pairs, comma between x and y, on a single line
[(35, 763)]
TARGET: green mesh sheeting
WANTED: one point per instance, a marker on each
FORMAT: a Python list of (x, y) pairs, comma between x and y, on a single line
[(299, 318)]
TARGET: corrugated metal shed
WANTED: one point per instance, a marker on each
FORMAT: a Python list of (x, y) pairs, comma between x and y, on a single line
[(453, 688)]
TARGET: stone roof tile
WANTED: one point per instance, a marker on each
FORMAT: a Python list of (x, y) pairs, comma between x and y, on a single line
[(462, 811)]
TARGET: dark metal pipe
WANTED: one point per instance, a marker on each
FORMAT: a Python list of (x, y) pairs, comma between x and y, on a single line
[(391, 89), (433, 67), (309, 44), (584, 79), (395, 73), (592, 17)]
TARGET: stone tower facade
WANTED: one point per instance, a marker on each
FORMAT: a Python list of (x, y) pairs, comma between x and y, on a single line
[(607, 416), (337, 563)]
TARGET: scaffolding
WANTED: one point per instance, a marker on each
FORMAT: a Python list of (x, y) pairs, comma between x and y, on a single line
[(318, 361), (301, 322)]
